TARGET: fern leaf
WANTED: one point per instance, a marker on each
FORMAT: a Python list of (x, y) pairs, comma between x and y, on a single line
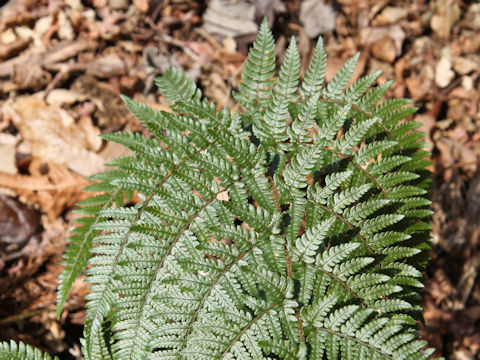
[(259, 68), (20, 351), (315, 74), (307, 245), (255, 237), (303, 124), (176, 86), (274, 125), (296, 172), (335, 87)]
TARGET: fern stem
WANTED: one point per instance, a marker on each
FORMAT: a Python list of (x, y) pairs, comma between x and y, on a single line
[(124, 243), (360, 110), (205, 297), (354, 339), (248, 326), (275, 193), (345, 286), (85, 246), (289, 263), (180, 232), (348, 224)]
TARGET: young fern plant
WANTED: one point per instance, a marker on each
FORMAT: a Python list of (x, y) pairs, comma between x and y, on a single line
[(295, 229)]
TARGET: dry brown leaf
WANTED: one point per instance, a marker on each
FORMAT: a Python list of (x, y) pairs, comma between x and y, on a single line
[(61, 97), (370, 35), (384, 49), (417, 86), (317, 17), (30, 76), (227, 18), (91, 133), (17, 222), (13, 48), (65, 28), (443, 72), (8, 143), (447, 13), (216, 89), (110, 111), (454, 154), (56, 191), (223, 196), (54, 135), (391, 15), (463, 66), (141, 5), (106, 66), (229, 46)]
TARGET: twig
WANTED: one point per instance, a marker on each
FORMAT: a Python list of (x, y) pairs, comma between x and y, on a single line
[(31, 313)]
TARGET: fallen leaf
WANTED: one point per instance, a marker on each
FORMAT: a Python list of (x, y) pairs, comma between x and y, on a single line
[(454, 154), (216, 89), (317, 17), (473, 16), (111, 112), (447, 13), (417, 86), (54, 135), (8, 144), (391, 15), (17, 222), (61, 97), (223, 196), (56, 191), (141, 5), (463, 66), (106, 67), (227, 18), (268, 8), (384, 49), (229, 46), (443, 72), (30, 76), (13, 48), (370, 35), (65, 29), (118, 4)]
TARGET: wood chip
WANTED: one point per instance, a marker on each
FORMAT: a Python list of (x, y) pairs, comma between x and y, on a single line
[(384, 49), (223, 196)]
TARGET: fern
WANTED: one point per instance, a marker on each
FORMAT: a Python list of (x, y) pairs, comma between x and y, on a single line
[(257, 237), (21, 351)]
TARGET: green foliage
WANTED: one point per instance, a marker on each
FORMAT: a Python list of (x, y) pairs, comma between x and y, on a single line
[(20, 351), (290, 231)]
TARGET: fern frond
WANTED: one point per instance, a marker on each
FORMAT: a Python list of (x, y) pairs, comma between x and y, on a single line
[(257, 237), (20, 351), (271, 129), (254, 90), (335, 87), (315, 74), (176, 86), (78, 252)]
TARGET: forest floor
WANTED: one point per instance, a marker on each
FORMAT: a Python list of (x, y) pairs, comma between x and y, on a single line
[(63, 64)]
